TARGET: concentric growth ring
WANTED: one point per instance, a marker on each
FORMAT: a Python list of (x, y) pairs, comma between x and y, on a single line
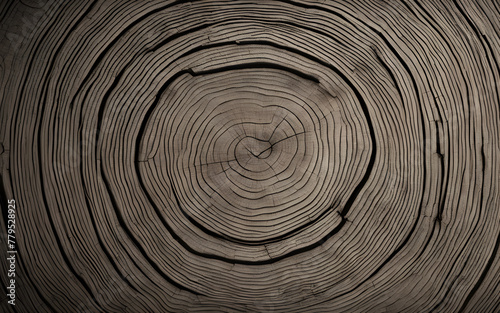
[(251, 151), (237, 156)]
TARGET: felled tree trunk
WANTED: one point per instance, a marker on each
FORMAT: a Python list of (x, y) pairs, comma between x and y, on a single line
[(252, 156)]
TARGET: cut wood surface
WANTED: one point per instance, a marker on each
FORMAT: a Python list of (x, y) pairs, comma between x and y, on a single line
[(252, 156)]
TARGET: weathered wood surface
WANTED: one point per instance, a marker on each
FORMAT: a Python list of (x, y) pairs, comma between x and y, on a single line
[(261, 156)]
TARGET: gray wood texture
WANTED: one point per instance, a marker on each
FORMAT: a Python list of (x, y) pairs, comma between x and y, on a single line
[(252, 156)]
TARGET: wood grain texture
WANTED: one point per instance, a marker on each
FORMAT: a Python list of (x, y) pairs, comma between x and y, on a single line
[(252, 156)]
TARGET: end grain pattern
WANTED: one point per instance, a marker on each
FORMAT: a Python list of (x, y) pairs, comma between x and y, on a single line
[(252, 156)]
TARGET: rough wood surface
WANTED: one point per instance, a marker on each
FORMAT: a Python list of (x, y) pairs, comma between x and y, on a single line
[(252, 156)]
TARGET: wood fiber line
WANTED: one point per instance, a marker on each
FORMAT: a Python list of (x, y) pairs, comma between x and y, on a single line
[(235, 156)]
